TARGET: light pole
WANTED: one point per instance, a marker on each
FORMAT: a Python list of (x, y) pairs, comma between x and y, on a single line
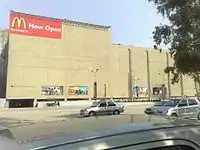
[(134, 81), (163, 77), (95, 83), (163, 87), (135, 86)]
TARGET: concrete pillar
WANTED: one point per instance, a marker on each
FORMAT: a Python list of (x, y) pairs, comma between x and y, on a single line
[(181, 84), (130, 86), (148, 76)]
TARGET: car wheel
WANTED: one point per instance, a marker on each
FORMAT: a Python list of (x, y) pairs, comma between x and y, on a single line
[(116, 112), (92, 113), (198, 116), (174, 115)]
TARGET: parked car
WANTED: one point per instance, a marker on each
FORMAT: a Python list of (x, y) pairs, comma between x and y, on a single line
[(182, 108), (103, 107), (152, 110)]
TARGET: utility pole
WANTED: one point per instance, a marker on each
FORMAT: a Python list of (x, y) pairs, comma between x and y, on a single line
[(130, 86)]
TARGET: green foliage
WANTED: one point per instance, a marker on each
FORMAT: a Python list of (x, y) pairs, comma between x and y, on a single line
[(182, 35)]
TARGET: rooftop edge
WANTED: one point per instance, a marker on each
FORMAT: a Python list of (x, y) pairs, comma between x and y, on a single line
[(69, 22)]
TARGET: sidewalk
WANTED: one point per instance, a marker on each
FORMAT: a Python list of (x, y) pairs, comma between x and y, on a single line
[(71, 105), (86, 103)]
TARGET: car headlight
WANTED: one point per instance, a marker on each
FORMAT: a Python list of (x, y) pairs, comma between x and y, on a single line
[(83, 110), (165, 112)]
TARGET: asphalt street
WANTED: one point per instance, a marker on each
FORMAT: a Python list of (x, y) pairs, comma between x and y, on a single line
[(19, 117), (31, 124), (68, 126)]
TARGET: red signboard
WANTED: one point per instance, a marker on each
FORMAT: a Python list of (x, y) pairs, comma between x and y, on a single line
[(35, 26)]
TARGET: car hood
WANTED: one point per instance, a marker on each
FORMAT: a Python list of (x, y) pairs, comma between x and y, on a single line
[(86, 108), (164, 108), (154, 107), (74, 138), (160, 108)]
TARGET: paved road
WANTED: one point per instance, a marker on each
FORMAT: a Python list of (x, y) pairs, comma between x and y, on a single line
[(40, 130), (18, 117), (27, 124), (33, 124)]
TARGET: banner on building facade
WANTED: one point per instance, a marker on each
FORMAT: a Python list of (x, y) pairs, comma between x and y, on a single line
[(35, 26), (52, 90), (159, 90), (140, 91), (78, 90)]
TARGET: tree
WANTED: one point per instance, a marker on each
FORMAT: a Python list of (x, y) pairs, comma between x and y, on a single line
[(181, 35)]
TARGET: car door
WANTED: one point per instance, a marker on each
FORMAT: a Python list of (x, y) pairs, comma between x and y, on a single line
[(111, 107), (182, 108), (193, 107), (102, 108)]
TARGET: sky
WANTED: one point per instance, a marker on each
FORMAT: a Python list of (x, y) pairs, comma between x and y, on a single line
[(132, 21)]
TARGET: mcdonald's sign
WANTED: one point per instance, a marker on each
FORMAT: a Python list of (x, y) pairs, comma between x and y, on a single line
[(31, 25), (19, 23)]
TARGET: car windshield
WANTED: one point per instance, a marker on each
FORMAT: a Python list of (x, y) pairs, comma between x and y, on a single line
[(172, 102), (95, 104)]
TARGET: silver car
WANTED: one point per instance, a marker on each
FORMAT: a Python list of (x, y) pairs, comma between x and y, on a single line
[(153, 109), (189, 108), (104, 107)]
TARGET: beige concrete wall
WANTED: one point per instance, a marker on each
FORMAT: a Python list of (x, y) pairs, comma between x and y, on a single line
[(189, 86), (34, 62), (139, 66), (118, 73), (175, 88), (157, 64)]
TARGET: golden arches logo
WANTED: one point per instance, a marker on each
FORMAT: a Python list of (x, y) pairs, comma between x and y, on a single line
[(19, 22)]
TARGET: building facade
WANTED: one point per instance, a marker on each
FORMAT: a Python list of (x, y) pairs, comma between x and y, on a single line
[(49, 58)]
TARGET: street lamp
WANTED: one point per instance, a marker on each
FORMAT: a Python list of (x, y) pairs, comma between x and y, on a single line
[(163, 77), (135, 86), (95, 83)]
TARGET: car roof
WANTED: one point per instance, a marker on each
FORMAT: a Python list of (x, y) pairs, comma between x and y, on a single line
[(131, 129)]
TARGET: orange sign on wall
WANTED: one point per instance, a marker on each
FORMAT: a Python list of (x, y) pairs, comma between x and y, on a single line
[(35, 26)]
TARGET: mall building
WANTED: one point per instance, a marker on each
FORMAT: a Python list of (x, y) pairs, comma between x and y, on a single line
[(45, 58)]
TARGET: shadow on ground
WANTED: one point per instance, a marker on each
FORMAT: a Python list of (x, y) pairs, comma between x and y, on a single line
[(13, 122), (77, 115), (74, 115), (131, 117)]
